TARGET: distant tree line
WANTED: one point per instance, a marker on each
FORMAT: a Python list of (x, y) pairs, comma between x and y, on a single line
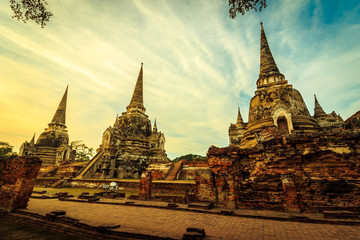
[(6, 151), (83, 152), (190, 157)]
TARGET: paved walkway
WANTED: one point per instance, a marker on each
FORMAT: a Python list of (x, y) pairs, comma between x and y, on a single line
[(173, 224)]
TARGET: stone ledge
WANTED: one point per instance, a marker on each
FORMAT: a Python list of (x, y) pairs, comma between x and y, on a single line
[(80, 230), (233, 213)]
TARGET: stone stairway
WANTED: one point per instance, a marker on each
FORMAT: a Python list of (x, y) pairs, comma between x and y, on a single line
[(84, 170), (49, 171), (174, 171), (57, 183)]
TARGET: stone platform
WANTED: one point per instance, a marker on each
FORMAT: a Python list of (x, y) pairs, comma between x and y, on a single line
[(153, 219)]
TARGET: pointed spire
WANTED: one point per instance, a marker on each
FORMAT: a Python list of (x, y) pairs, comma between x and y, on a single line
[(267, 63), (137, 98), (155, 127), (239, 118), (318, 111), (32, 142), (116, 125), (59, 117)]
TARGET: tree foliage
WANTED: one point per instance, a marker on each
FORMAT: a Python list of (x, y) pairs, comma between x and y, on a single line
[(6, 151), (242, 6), (190, 157), (34, 10), (83, 152)]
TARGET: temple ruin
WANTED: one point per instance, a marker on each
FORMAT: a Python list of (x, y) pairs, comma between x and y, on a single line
[(130, 145), (52, 146), (283, 158)]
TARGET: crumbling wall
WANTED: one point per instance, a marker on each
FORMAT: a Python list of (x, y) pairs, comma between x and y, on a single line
[(190, 169), (221, 185), (205, 186), (196, 163), (145, 186), (17, 180), (159, 171), (293, 173), (158, 174)]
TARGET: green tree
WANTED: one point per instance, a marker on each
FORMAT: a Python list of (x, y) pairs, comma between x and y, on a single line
[(83, 152), (242, 6), (6, 151), (34, 10), (190, 157)]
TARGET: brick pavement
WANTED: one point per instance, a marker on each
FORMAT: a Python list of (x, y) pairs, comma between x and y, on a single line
[(171, 223)]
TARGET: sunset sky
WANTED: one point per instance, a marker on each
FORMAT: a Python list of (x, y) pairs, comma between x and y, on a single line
[(199, 65)]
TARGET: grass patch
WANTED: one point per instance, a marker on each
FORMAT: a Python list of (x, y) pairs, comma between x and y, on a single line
[(136, 180), (77, 191)]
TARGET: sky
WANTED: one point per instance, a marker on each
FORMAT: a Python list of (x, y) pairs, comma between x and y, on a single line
[(199, 65)]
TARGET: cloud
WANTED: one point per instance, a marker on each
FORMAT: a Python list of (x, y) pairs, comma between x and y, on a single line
[(199, 65)]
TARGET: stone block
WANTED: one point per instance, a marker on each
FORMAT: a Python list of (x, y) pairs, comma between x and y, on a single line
[(50, 216), (59, 212), (340, 214), (193, 233), (192, 236)]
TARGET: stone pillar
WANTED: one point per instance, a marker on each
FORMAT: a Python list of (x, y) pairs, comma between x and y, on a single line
[(17, 180), (145, 185)]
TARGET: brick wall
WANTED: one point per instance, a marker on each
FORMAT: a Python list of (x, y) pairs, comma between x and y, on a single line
[(158, 174), (145, 186), (297, 173), (196, 163), (133, 185), (17, 179)]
